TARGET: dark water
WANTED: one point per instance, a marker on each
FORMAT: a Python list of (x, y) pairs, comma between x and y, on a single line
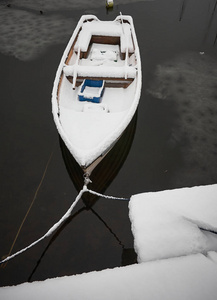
[(173, 140)]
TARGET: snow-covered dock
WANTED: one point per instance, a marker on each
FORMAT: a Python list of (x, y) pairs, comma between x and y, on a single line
[(190, 277), (174, 223), (176, 242)]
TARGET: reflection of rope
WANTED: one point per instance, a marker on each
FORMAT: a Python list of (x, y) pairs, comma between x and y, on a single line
[(63, 219), (33, 200), (106, 225), (53, 239)]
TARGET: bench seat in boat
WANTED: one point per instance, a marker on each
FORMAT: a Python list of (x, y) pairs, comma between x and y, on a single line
[(92, 29), (100, 71)]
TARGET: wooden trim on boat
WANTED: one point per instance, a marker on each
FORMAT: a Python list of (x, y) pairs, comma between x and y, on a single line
[(88, 169), (72, 48), (70, 53), (109, 81), (101, 39)]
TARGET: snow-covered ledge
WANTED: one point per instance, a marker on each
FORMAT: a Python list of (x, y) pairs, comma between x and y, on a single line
[(174, 223), (190, 277), (165, 224)]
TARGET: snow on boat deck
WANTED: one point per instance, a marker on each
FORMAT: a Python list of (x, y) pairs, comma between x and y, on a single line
[(100, 125), (117, 100), (177, 254)]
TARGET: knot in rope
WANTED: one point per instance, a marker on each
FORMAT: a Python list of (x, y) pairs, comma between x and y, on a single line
[(87, 179)]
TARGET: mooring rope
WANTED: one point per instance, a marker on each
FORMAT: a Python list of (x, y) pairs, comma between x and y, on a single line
[(105, 196), (31, 204), (51, 230), (63, 219)]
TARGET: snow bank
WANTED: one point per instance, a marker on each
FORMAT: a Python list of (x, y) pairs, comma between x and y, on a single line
[(191, 277), (174, 222)]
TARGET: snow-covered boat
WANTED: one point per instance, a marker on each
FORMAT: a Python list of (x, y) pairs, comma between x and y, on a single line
[(106, 171), (97, 87)]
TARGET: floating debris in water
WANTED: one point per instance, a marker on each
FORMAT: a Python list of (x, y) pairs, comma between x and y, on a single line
[(109, 3)]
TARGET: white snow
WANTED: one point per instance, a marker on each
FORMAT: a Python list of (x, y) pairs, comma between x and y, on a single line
[(174, 222), (84, 132), (94, 129), (165, 225), (92, 108), (191, 277), (90, 92), (89, 136), (98, 54), (106, 28), (100, 71)]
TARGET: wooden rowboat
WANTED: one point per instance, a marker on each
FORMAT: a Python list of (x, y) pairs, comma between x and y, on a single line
[(97, 87)]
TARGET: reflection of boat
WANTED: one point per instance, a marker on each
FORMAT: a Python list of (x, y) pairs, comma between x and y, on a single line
[(102, 176), (100, 65), (106, 171)]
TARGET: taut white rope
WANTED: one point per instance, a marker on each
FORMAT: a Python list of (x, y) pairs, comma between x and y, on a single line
[(52, 229), (105, 196), (64, 217)]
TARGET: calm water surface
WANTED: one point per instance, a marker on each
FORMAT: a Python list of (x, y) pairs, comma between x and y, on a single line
[(172, 144)]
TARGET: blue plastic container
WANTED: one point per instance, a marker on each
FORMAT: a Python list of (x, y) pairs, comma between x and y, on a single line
[(91, 90)]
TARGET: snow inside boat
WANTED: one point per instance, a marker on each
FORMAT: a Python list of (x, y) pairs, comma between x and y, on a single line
[(97, 86)]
